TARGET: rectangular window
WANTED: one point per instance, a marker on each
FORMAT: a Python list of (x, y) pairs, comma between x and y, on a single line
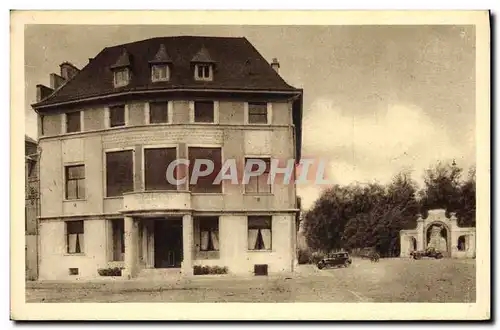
[(204, 112), (205, 184), (117, 116), (118, 239), (74, 237), (73, 122), (203, 72), (209, 233), (119, 172), (42, 125), (259, 232), (158, 112), (257, 113), (156, 162), (75, 182), (121, 77), (259, 184), (159, 72)]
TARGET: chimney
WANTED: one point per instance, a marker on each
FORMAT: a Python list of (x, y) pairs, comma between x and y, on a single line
[(42, 92), (56, 81), (275, 65), (68, 70)]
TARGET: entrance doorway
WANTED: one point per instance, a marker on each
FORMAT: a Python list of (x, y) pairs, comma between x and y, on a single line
[(168, 243)]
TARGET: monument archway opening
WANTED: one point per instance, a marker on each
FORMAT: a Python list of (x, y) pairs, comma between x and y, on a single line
[(437, 237)]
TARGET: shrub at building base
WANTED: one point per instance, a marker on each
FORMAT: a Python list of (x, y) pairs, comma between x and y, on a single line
[(209, 270), (116, 271)]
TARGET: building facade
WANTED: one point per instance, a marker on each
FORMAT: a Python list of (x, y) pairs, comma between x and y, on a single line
[(109, 132), (442, 233), (31, 206)]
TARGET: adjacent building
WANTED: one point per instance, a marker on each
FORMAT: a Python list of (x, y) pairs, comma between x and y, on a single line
[(31, 206), (109, 131)]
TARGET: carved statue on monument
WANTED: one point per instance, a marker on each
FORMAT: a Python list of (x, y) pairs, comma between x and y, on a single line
[(436, 240)]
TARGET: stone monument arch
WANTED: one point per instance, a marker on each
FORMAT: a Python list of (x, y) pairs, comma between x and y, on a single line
[(439, 232)]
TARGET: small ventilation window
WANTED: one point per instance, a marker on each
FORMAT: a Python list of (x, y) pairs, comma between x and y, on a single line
[(260, 270), (73, 271)]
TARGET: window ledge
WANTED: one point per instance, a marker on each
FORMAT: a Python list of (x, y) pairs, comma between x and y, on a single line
[(74, 254), (207, 193), (260, 251), (74, 200), (113, 197), (256, 194), (159, 124)]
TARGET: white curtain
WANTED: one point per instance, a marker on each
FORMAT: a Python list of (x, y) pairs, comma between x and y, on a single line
[(72, 243), (252, 238), (215, 240), (204, 240), (266, 237), (80, 241)]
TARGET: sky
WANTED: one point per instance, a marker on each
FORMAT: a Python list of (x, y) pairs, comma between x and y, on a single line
[(377, 99)]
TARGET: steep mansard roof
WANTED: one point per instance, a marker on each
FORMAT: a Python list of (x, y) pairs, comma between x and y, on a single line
[(238, 65)]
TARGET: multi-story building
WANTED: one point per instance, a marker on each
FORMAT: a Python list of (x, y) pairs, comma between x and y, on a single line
[(31, 206), (109, 131)]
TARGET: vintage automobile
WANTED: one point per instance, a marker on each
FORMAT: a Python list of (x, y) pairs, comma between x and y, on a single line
[(337, 259), (429, 253)]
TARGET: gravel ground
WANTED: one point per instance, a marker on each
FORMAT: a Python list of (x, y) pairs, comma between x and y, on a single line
[(389, 280)]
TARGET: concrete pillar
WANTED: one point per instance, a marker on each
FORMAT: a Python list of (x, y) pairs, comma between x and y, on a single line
[(131, 253), (420, 233), (187, 244)]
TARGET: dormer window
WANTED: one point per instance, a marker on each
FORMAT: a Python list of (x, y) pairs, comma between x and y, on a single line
[(203, 65), (203, 72), (121, 70), (160, 65), (159, 72), (121, 77)]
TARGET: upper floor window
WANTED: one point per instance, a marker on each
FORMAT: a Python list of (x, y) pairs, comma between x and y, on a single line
[(121, 77), (205, 184), (160, 72), (259, 184), (203, 72), (119, 172), (75, 182), (204, 112), (117, 116), (156, 161), (73, 122), (258, 113), (42, 125), (158, 112)]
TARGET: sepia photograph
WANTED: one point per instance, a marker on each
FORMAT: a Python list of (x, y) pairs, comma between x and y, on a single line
[(252, 162)]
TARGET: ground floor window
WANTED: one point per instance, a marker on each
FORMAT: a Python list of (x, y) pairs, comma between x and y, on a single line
[(74, 237), (209, 233), (118, 231), (259, 232)]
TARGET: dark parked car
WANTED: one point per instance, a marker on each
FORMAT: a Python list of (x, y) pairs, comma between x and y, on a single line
[(338, 259), (429, 253)]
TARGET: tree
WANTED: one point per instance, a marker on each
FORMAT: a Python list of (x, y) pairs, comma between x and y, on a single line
[(466, 212), (442, 187)]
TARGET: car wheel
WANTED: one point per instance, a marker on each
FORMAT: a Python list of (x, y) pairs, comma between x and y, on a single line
[(321, 265), (346, 264)]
